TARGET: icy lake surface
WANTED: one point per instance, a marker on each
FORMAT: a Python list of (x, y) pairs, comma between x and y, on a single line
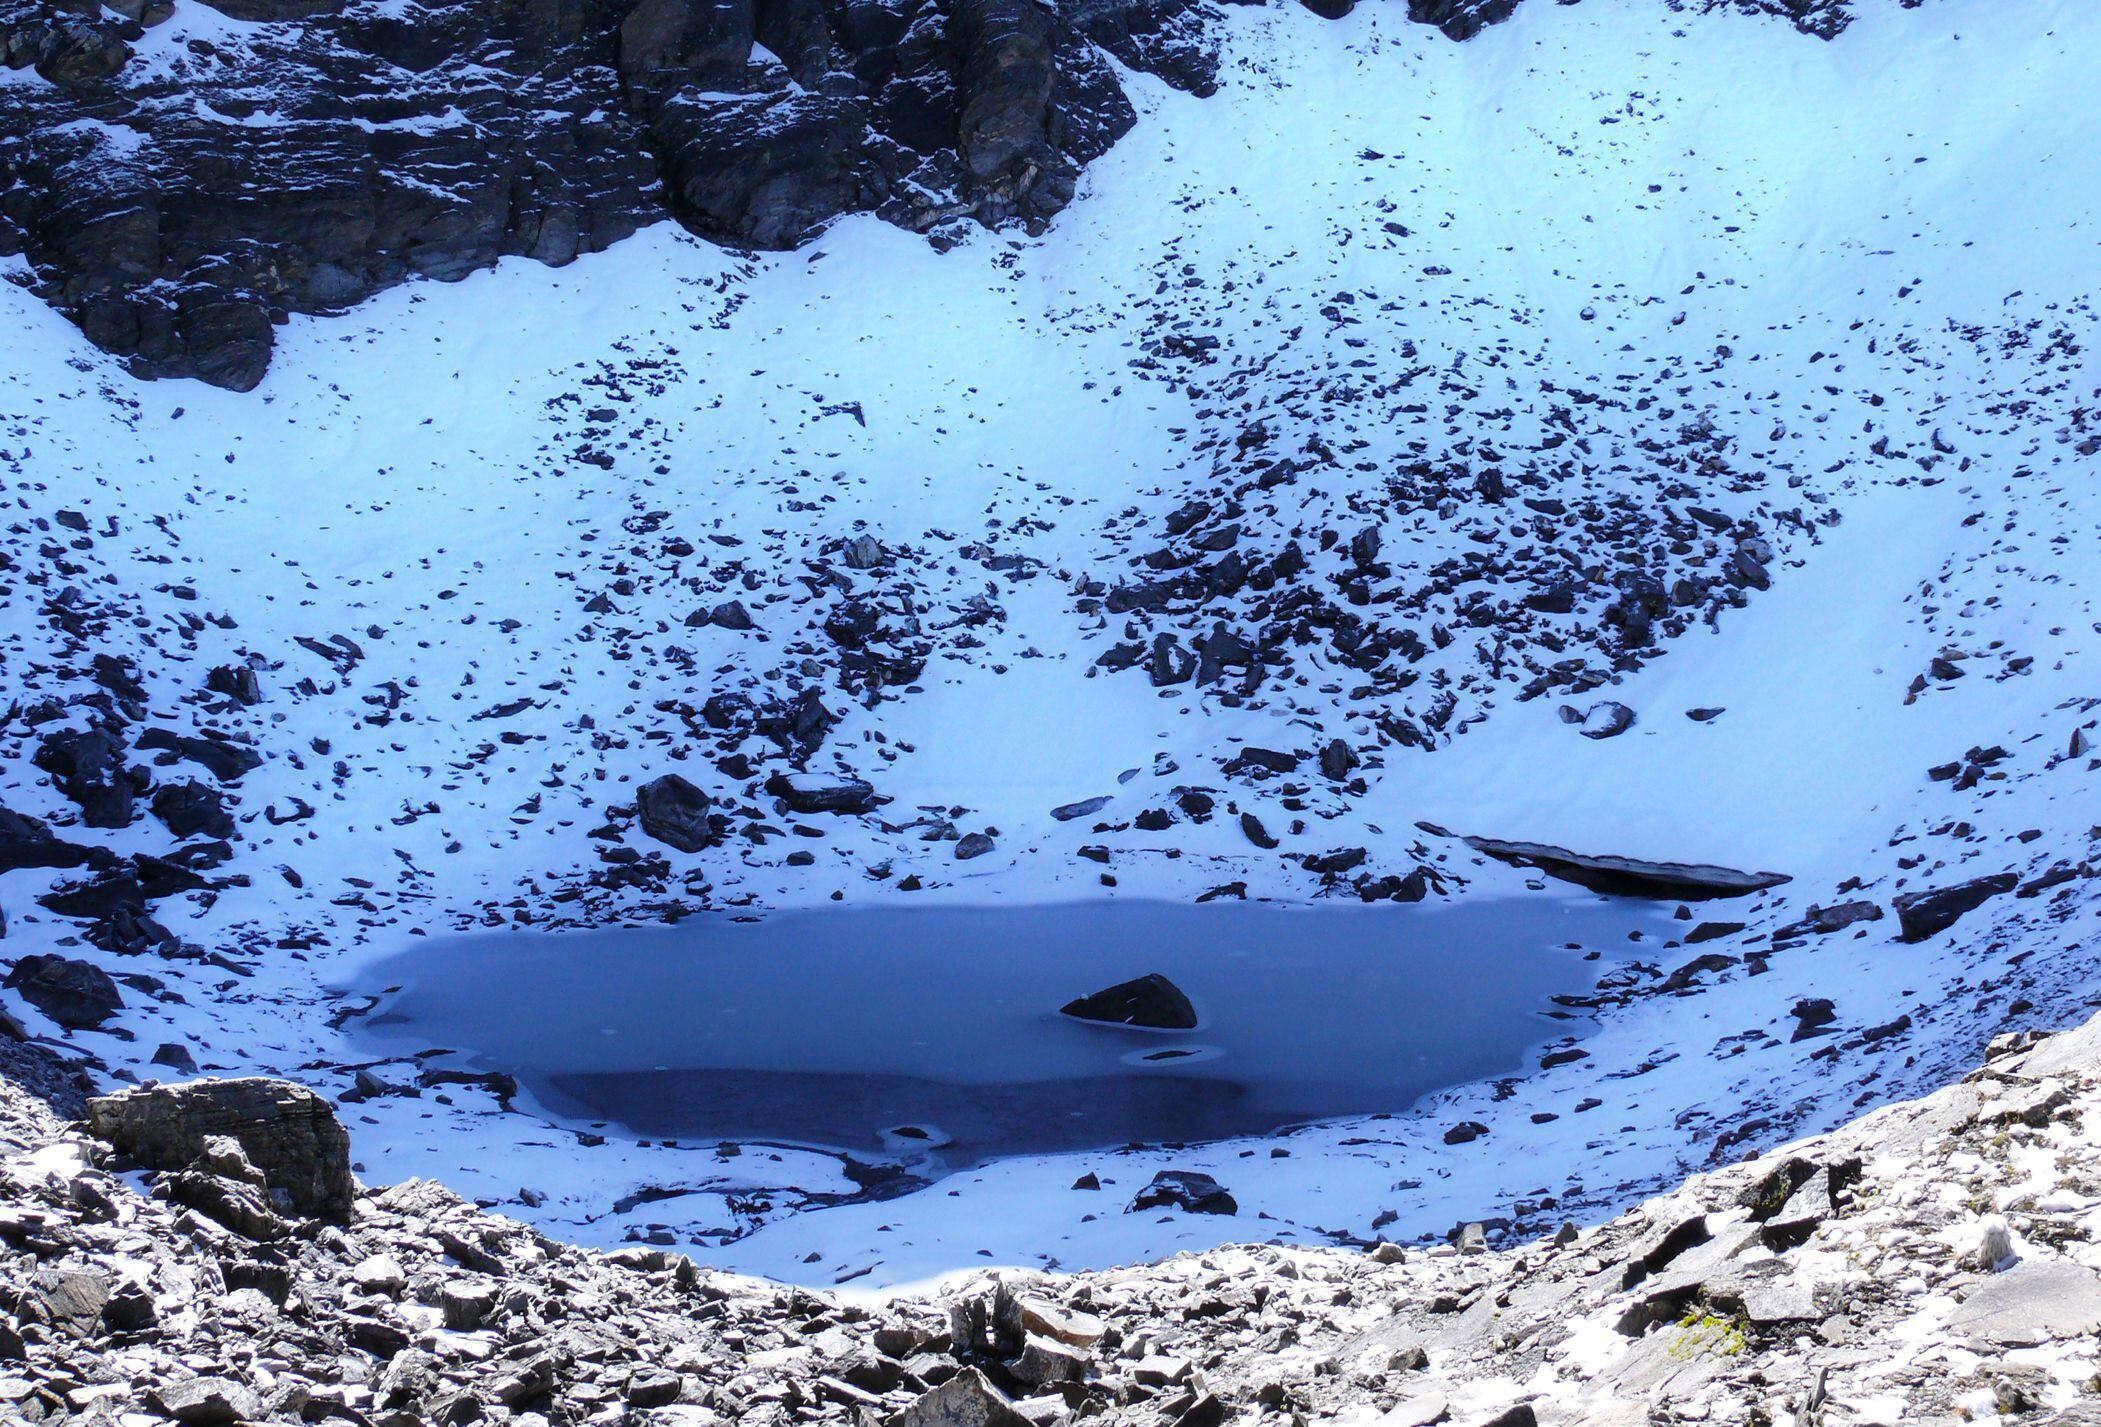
[(885, 1033)]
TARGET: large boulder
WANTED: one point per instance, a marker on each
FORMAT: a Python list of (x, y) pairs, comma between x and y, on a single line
[(675, 813), (290, 1134), (79, 995), (1923, 914), (815, 793), (1187, 1190), (1151, 1001), (207, 1401), (191, 808)]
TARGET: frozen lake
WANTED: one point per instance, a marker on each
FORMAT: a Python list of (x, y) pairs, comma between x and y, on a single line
[(937, 1030)]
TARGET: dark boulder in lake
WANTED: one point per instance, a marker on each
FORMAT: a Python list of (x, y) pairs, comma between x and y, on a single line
[(1151, 1001)]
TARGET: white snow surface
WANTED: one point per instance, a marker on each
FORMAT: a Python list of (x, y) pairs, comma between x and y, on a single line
[(1892, 235)]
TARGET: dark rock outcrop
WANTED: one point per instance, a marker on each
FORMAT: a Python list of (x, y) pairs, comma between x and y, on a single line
[(1461, 19), (191, 808), (179, 194), (288, 1133), (1623, 876), (177, 208)]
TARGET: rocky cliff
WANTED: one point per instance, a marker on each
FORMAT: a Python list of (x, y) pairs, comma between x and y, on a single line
[(181, 177)]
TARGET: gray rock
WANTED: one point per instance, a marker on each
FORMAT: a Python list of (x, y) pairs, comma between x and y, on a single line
[(731, 615), (74, 1297), (814, 793), (653, 1387), (26, 842), (287, 1132), (1606, 720), (192, 809), (965, 1400), (2031, 1303), (865, 552), (467, 1305), (208, 1401), (1825, 920)]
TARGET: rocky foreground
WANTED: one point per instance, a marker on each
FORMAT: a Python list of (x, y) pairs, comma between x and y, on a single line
[(1932, 1262)]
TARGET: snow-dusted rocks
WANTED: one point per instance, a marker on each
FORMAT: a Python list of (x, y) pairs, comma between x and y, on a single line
[(1187, 1190), (819, 793), (1606, 719), (1436, 502), (1721, 1301)]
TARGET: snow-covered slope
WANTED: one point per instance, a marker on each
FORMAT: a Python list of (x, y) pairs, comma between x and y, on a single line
[(1612, 299)]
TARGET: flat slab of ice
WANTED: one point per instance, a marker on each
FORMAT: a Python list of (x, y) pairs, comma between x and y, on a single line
[(841, 1028)]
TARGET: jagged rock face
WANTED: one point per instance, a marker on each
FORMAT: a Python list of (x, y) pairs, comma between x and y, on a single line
[(177, 206), (177, 195)]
